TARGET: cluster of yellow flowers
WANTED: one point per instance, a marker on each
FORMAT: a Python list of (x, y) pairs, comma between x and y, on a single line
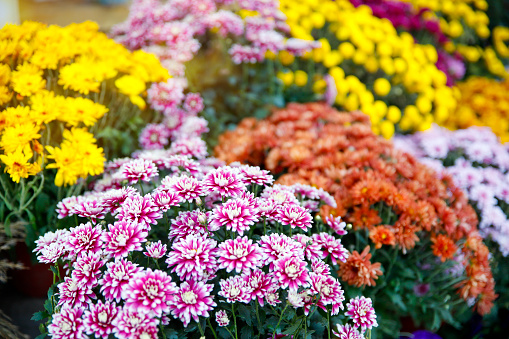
[(375, 69), (56, 83), (460, 20), (484, 102)]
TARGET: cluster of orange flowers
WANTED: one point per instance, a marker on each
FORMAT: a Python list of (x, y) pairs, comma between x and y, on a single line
[(372, 182)]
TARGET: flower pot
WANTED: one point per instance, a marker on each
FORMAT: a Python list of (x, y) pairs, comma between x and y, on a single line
[(36, 279)]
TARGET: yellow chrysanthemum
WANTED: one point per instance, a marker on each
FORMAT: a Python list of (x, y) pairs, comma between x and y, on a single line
[(66, 162), (44, 107), (130, 85), (27, 84), (18, 164), (78, 78), (83, 110), (18, 136)]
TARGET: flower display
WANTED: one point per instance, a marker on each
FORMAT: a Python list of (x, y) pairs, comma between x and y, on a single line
[(69, 95), (237, 248), (396, 205)]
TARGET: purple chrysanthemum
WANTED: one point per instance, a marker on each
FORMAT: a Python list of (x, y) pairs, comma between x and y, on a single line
[(166, 199), (188, 188), (67, 324), (235, 214), (239, 254), (194, 257), (259, 283), (222, 318), (192, 299), (347, 332), (155, 250), (149, 292), (291, 272), (277, 246), (190, 223), (87, 268), (90, 208), (132, 324), (139, 169), (84, 237), (74, 294), (332, 246), (234, 289), (255, 175), (124, 237), (98, 320), (362, 313), (140, 209), (295, 216), (336, 224), (117, 275), (225, 180)]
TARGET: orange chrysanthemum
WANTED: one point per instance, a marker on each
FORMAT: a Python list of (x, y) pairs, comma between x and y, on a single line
[(382, 235), (358, 269), (443, 247)]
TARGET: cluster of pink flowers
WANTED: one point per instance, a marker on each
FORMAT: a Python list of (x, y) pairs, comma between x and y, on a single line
[(156, 257), (478, 163)]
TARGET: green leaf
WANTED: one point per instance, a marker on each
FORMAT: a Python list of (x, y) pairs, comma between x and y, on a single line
[(435, 325), (48, 307), (170, 333), (246, 332), (397, 300), (38, 316), (245, 314), (293, 328), (271, 323), (41, 336)]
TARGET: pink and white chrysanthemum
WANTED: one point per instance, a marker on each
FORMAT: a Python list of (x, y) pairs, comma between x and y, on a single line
[(178, 163), (112, 199), (320, 267), (226, 22), (225, 180), (193, 103), (155, 250), (164, 95), (72, 293), (193, 257), (188, 188), (312, 250), (332, 246), (166, 199), (65, 208), (67, 324), (250, 199), (140, 209), (347, 332), (90, 208), (277, 246), (272, 297), (239, 254), (99, 318), (117, 274), (149, 292), (362, 313), (124, 237), (87, 268), (193, 146), (235, 289), (132, 324), (222, 318), (139, 169), (255, 175), (291, 272), (154, 136), (336, 224), (259, 284), (329, 289), (246, 54), (115, 164), (268, 208), (84, 237), (192, 299), (280, 195), (295, 216), (235, 214), (50, 254), (59, 236), (190, 223)]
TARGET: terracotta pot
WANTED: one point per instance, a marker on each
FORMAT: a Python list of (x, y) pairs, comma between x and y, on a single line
[(36, 279)]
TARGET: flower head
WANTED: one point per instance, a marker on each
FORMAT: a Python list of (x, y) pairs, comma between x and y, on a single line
[(67, 324), (358, 269), (155, 250), (124, 237), (222, 318), (84, 237), (239, 254), (99, 318), (139, 169), (362, 313), (234, 289), (291, 272), (226, 181), (116, 276), (295, 216), (235, 214), (192, 299)]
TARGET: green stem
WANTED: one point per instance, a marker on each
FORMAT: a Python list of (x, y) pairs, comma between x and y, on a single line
[(235, 321), (230, 332), (258, 316), (199, 328), (280, 318), (211, 328), (328, 323)]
